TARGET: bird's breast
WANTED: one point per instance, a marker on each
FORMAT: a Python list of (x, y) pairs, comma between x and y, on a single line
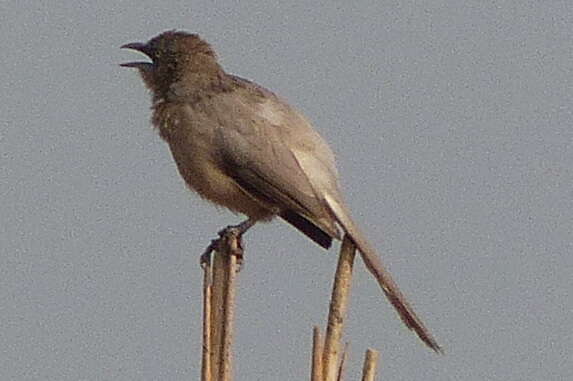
[(192, 138)]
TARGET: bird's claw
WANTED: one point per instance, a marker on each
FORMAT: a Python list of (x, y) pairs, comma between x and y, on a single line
[(205, 259), (231, 236)]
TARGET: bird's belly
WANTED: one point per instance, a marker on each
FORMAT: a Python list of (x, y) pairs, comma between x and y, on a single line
[(203, 174)]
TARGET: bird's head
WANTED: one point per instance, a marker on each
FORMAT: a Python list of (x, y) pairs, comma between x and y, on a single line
[(174, 56)]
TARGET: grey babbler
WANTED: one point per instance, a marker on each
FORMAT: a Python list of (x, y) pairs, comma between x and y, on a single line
[(240, 146)]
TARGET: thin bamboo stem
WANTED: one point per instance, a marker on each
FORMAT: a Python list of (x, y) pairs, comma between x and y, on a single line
[(219, 286), (342, 366), (207, 295), (317, 347), (217, 303), (226, 368), (370, 362), (338, 308)]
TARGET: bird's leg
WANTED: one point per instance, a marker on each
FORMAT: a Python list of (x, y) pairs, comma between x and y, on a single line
[(235, 233), (231, 232), (239, 229), (205, 259)]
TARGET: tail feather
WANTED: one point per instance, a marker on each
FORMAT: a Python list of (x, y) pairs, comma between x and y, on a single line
[(308, 228), (375, 266)]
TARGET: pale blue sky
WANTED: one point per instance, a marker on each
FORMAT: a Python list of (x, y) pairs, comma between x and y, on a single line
[(452, 122)]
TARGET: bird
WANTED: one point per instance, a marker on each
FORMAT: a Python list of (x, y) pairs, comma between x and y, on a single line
[(240, 146)]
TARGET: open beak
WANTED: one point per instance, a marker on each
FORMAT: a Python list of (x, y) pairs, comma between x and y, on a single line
[(140, 47)]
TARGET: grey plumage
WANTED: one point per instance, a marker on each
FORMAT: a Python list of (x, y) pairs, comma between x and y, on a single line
[(240, 146)]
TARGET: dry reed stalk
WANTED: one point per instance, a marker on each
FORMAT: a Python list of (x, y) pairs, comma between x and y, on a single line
[(338, 308), (317, 347), (369, 369), (220, 266)]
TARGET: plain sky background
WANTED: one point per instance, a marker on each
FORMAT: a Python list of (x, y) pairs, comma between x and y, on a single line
[(453, 126)]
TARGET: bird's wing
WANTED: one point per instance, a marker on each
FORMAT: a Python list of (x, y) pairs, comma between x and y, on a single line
[(256, 152), (278, 155), (331, 197)]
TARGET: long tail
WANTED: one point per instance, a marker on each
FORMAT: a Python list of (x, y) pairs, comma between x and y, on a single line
[(375, 266)]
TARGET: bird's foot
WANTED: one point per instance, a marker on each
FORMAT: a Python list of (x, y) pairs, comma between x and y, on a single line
[(231, 236), (238, 229), (205, 259)]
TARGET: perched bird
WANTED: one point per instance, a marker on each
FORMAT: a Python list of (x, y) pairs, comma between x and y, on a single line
[(240, 146)]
